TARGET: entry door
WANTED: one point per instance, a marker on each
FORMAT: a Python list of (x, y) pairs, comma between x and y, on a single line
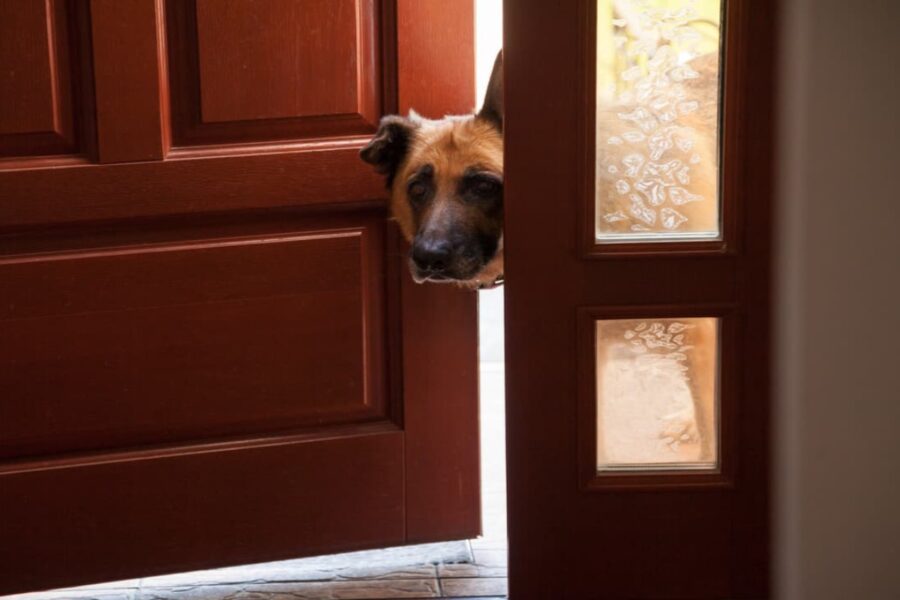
[(211, 352), (637, 266)]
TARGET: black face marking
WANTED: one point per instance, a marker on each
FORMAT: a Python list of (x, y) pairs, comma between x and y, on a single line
[(420, 187), (483, 189), (387, 150), (489, 244), (492, 109)]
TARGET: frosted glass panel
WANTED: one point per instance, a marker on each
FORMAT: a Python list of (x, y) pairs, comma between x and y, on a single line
[(656, 394), (657, 127)]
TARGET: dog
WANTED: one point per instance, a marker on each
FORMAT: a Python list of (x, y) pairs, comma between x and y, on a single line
[(445, 179)]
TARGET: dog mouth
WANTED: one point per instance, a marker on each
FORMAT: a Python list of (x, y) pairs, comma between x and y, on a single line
[(458, 273), (421, 276), (481, 278)]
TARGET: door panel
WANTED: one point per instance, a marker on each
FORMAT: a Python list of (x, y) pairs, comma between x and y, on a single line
[(250, 71), (213, 354), (598, 380), (41, 48), (112, 517), (240, 179), (235, 40), (205, 321)]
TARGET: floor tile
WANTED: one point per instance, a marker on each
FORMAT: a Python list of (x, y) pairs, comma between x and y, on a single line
[(285, 572), (319, 590), (489, 543), (115, 585), (467, 587), (491, 558), (404, 562), (470, 570)]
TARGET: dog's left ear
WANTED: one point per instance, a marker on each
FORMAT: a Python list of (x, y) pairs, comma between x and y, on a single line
[(387, 150), (492, 109)]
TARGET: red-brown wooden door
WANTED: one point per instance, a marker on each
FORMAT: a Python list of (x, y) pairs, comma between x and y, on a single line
[(582, 309), (210, 351)]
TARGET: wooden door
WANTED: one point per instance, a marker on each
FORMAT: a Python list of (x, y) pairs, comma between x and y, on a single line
[(211, 352), (610, 497)]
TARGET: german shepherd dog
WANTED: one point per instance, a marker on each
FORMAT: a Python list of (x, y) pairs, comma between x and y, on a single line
[(446, 184)]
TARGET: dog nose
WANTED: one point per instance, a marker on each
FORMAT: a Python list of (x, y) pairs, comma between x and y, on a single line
[(431, 255)]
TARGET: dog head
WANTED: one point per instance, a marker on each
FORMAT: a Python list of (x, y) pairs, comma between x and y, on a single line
[(446, 183)]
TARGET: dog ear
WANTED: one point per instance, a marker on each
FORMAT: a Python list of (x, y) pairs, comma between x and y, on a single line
[(492, 109), (387, 150)]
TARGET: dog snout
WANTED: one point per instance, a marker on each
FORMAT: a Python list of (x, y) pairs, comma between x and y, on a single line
[(432, 255)]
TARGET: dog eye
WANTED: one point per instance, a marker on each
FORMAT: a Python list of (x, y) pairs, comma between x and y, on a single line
[(417, 191), (486, 187)]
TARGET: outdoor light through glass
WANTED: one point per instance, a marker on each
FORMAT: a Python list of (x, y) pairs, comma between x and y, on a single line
[(657, 397), (657, 128)]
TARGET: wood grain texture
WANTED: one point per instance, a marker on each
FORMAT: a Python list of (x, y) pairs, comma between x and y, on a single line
[(329, 174), (42, 79), (215, 338), (250, 71), (440, 384), (249, 441), (438, 323), (665, 540), (276, 59), (128, 50), (429, 33), (199, 508), (27, 69)]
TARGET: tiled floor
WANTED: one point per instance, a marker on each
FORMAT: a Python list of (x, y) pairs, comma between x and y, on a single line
[(427, 571), (474, 569)]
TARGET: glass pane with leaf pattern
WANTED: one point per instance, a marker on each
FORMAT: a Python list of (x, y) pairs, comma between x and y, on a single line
[(657, 126), (657, 400)]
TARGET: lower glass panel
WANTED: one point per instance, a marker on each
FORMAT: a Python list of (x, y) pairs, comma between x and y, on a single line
[(657, 397)]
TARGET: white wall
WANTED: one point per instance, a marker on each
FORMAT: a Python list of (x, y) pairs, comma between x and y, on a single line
[(488, 41), (838, 393)]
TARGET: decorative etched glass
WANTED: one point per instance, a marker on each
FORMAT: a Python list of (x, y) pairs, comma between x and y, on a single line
[(657, 130), (656, 394)]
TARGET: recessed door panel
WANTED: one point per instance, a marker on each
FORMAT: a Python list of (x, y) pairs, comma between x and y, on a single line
[(41, 77), (191, 341), (249, 71), (107, 518), (288, 59)]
